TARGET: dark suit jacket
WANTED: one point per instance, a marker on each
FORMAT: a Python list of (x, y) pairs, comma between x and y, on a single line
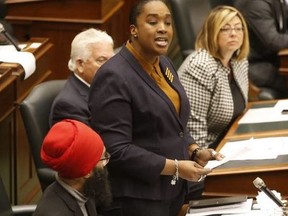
[(71, 102), (57, 201), (140, 127), (267, 22)]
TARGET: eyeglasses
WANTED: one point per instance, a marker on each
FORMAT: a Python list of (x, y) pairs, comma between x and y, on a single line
[(228, 30), (105, 159)]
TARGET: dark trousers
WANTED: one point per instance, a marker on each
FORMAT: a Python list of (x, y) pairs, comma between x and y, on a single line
[(140, 207), (195, 191)]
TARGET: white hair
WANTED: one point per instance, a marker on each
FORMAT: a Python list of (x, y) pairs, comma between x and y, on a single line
[(82, 41)]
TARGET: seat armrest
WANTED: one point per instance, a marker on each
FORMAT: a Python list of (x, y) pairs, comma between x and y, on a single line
[(23, 210)]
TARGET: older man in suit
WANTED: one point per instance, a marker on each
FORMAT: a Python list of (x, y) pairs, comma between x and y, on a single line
[(89, 50)]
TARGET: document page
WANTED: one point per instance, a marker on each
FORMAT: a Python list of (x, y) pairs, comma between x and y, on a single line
[(270, 114), (252, 149), (27, 60)]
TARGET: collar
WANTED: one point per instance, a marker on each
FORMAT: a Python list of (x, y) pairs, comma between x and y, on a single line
[(81, 199), (82, 80), (144, 63)]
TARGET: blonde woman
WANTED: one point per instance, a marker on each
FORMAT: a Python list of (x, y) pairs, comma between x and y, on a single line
[(215, 76)]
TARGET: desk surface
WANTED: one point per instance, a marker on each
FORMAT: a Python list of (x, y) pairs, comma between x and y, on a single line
[(256, 130), (236, 177)]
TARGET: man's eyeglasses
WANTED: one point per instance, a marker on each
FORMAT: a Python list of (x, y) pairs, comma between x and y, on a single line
[(105, 159), (228, 30)]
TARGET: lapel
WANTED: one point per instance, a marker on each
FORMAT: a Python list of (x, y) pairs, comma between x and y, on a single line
[(71, 203), (91, 207), (81, 87), (165, 66)]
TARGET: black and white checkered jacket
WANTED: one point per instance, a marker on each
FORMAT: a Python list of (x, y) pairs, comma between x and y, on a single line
[(206, 82)]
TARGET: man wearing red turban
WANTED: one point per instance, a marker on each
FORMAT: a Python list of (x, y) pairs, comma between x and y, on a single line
[(77, 153)]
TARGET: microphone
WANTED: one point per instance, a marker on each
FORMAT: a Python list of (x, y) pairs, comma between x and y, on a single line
[(9, 37), (259, 183)]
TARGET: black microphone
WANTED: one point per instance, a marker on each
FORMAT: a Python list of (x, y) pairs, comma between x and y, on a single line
[(259, 183), (9, 37)]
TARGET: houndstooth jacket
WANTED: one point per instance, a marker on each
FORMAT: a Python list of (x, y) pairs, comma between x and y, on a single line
[(206, 83)]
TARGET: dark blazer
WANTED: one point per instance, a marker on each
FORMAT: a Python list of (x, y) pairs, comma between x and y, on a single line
[(267, 23), (71, 102), (140, 127), (57, 201)]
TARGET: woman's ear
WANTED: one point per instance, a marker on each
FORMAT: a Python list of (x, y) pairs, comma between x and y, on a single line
[(133, 30)]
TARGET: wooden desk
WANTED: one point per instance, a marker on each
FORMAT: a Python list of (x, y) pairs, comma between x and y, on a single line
[(236, 177), (16, 165), (283, 55), (245, 131), (61, 20)]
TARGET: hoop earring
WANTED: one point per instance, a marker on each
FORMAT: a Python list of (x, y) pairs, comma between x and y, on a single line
[(238, 51)]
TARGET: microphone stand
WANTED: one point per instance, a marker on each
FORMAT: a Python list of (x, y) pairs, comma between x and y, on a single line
[(9, 37)]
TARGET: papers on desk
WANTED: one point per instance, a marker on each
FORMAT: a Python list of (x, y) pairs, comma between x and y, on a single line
[(271, 114), (239, 208), (252, 149), (8, 53)]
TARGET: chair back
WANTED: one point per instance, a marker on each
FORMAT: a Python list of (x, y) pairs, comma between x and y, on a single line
[(188, 16), (5, 206), (215, 3), (35, 111), (3, 9)]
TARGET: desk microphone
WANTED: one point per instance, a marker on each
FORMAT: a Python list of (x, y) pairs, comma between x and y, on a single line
[(259, 183), (9, 37)]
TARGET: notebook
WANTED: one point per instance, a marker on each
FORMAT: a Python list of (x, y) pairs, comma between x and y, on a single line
[(203, 203)]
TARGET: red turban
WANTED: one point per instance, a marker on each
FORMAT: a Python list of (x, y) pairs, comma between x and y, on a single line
[(71, 148)]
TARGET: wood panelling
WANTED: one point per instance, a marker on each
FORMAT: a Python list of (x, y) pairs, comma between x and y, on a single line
[(61, 20), (16, 165)]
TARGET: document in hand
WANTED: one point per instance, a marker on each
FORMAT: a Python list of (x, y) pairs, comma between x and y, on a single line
[(227, 205)]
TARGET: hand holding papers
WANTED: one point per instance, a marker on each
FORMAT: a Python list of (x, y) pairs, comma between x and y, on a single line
[(252, 149), (229, 155)]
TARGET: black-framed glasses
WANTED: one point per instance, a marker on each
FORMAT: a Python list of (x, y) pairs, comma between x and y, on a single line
[(228, 30), (105, 159)]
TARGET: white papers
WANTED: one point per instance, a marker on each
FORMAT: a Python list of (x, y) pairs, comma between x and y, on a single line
[(8, 53), (34, 45), (270, 114), (252, 149), (265, 202), (237, 151), (243, 207)]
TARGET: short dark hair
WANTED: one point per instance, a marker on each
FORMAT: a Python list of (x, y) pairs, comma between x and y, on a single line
[(137, 9)]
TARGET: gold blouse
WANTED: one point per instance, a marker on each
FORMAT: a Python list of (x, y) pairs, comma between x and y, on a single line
[(154, 71)]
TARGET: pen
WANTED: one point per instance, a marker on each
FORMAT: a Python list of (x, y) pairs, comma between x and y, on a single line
[(284, 111)]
